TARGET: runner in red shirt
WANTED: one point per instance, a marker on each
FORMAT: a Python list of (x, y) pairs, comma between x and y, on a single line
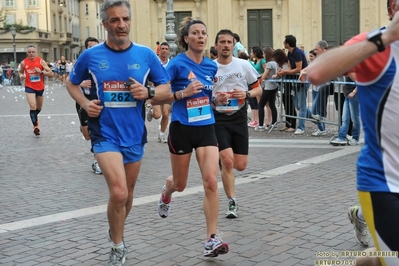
[(33, 69)]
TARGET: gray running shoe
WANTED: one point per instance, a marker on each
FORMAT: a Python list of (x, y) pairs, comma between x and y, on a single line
[(110, 240), (360, 228), (149, 115), (117, 257), (163, 208), (215, 246), (317, 117), (96, 168), (232, 209)]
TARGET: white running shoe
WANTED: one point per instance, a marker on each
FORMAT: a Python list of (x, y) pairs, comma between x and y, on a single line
[(215, 246), (232, 209), (96, 168), (163, 208), (319, 133), (360, 228)]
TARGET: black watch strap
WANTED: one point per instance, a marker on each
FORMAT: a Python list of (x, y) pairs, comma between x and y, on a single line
[(248, 95), (375, 37), (151, 91)]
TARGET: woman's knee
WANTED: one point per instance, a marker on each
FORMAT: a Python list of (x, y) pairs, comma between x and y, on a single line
[(119, 196), (178, 184)]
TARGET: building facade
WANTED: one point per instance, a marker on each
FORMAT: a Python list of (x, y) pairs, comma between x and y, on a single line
[(59, 27), (263, 22)]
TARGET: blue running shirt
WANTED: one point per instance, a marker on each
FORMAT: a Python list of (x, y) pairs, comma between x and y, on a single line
[(197, 109), (121, 121), (378, 163)]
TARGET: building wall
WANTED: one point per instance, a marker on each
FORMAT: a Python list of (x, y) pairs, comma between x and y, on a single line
[(301, 18), (59, 28)]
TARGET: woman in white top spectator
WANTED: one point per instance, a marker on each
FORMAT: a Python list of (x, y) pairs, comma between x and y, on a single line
[(269, 91)]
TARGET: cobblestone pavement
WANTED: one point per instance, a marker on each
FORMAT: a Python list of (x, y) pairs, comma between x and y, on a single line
[(293, 197)]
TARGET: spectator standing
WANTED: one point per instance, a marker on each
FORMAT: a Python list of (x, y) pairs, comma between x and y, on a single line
[(269, 91)]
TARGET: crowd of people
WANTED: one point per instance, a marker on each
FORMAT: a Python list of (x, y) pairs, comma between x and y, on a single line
[(208, 99)]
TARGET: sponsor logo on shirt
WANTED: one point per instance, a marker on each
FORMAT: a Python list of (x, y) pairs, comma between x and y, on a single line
[(191, 76), (197, 102), (134, 66), (115, 86), (104, 65)]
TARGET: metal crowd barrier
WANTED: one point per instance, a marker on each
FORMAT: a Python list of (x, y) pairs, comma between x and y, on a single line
[(334, 104)]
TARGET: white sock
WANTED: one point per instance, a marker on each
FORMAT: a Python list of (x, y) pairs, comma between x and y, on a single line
[(359, 214), (118, 246)]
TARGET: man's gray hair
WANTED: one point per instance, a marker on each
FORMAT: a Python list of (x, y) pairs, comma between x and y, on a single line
[(323, 44), (111, 3)]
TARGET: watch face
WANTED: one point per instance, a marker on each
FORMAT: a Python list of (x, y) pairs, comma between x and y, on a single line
[(374, 34)]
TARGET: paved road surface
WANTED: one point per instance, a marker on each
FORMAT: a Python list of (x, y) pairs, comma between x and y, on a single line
[(293, 197)]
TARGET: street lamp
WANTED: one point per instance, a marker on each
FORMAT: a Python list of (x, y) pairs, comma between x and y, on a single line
[(13, 32), (170, 35)]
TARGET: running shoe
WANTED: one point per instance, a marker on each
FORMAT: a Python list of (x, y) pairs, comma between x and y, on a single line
[(96, 168), (261, 128), (215, 246), (317, 117), (353, 142), (164, 138), (319, 133), (149, 115), (163, 208), (36, 130), (360, 228), (117, 257), (232, 209), (339, 142), (299, 132), (110, 240)]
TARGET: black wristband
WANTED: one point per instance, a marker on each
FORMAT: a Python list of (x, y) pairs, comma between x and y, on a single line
[(151, 92), (247, 95), (174, 96), (375, 37)]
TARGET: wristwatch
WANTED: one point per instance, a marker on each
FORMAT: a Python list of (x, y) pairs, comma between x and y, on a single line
[(375, 37), (248, 95), (151, 91)]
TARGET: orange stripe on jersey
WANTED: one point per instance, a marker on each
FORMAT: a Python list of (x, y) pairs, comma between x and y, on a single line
[(255, 84)]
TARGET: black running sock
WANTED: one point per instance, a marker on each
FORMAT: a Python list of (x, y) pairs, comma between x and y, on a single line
[(33, 116), (37, 113)]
